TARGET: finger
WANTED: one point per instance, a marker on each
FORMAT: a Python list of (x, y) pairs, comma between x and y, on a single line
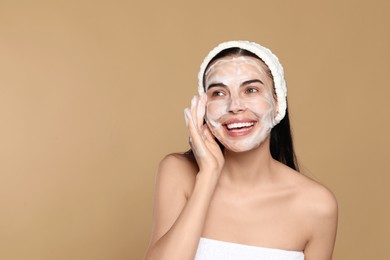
[(190, 142), (194, 113), (201, 110), (185, 117), (197, 143), (212, 130), (206, 132), (211, 143)]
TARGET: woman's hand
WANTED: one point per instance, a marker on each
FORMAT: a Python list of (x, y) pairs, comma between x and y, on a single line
[(207, 152)]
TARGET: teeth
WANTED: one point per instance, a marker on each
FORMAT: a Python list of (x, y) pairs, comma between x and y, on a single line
[(239, 125)]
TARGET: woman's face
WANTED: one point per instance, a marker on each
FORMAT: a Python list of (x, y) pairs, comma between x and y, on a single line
[(240, 105)]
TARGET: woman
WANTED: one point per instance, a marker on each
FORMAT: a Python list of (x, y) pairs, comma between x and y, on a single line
[(237, 194)]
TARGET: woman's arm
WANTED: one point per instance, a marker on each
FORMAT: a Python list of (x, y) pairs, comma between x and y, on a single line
[(178, 222)]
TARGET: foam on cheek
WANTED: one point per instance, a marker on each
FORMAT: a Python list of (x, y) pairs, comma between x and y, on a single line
[(266, 124), (215, 110), (255, 107)]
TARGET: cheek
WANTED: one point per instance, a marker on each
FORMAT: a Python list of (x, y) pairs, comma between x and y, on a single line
[(215, 110), (259, 106)]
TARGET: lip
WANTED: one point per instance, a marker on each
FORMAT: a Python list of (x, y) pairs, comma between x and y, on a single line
[(237, 132)]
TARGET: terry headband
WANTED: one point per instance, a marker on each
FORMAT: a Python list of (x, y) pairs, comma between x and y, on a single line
[(269, 59)]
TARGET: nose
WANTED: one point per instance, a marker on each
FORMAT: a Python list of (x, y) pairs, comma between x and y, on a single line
[(236, 105)]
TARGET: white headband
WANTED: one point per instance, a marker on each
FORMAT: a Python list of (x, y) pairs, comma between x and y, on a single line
[(269, 59)]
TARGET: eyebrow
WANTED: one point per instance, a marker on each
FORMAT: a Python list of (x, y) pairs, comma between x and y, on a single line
[(252, 81), (218, 84)]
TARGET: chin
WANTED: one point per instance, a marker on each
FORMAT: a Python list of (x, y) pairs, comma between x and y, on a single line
[(240, 148)]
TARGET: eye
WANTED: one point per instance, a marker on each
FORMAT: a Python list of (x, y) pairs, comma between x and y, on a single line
[(217, 93), (251, 90)]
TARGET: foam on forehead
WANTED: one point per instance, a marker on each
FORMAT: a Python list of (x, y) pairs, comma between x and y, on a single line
[(237, 60), (269, 59)]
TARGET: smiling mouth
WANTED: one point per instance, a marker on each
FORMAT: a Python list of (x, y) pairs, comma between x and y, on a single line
[(239, 128), (235, 126)]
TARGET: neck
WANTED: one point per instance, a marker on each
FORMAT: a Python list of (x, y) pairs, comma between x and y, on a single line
[(249, 167)]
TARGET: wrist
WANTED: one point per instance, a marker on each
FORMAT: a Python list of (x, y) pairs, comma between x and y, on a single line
[(208, 176)]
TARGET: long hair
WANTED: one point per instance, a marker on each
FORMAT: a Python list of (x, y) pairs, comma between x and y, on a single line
[(281, 142)]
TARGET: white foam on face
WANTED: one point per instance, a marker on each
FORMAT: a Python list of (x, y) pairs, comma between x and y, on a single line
[(235, 102), (240, 59), (269, 58)]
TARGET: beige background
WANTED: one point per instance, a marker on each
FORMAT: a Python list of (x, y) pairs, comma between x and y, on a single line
[(92, 96)]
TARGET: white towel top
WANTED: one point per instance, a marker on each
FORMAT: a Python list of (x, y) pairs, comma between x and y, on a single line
[(210, 249)]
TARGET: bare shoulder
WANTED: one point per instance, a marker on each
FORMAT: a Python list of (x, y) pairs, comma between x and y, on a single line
[(316, 199), (174, 182), (317, 211), (319, 200), (177, 169)]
